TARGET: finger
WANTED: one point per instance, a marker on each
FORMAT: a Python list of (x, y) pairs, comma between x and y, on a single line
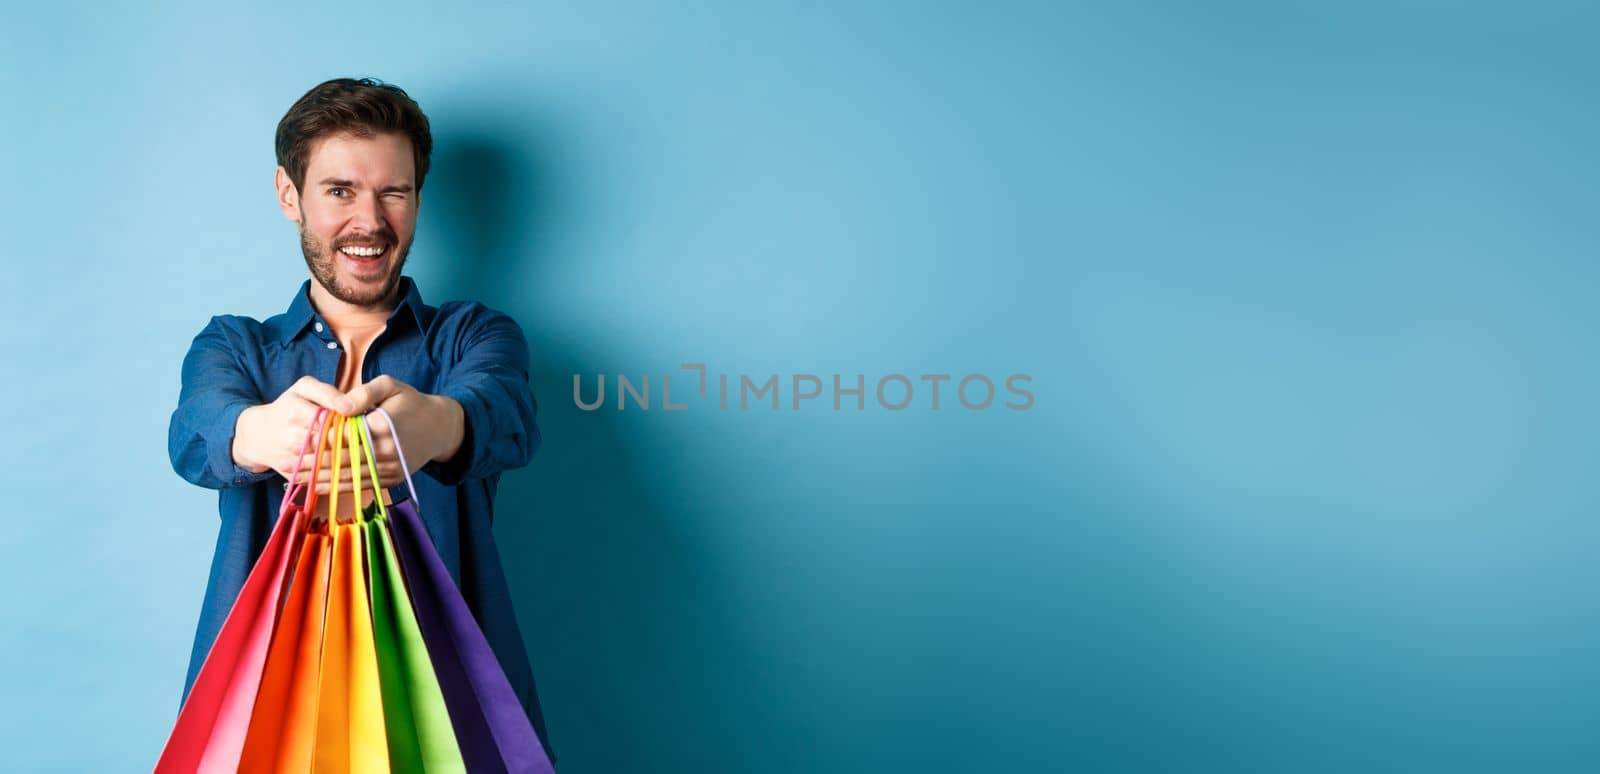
[(384, 448), (388, 475), (382, 437), (345, 484), (322, 394), (345, 487), (347, 456), (306, 470), (314, 475), (301, 413), (390, 479), (290, 437), (363, 398), (323, 489), (307, 461)]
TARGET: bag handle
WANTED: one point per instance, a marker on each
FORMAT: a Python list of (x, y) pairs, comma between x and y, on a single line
[(338, 468), (296, 486), (352, 441), (395, 434), (358, 443), (365, 440), (356, 439)]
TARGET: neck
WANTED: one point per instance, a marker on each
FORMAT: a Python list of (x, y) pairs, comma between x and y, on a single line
[(327, 304)]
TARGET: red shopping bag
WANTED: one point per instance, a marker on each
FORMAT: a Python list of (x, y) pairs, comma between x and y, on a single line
[(209, 734)]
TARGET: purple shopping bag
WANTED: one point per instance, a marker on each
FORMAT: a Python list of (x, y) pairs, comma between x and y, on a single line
[(492, 728)]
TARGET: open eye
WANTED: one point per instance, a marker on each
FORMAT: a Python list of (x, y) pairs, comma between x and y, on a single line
[(335, 191)]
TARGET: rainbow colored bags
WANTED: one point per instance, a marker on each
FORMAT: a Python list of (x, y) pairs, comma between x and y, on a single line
[(350, 649)]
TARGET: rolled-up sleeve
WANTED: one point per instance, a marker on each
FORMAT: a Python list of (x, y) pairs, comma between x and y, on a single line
[(490, 381), (215, 391)]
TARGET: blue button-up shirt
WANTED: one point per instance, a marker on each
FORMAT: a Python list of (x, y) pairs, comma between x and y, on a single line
[(463, 350)]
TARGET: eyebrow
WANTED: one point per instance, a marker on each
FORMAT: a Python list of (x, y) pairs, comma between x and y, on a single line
[(350, 184)]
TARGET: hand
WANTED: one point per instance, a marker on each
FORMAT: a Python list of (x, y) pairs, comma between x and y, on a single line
[(272, 435), (431, 429), (383, 452)]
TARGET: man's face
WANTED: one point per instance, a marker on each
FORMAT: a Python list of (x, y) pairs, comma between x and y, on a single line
[(359, 194)]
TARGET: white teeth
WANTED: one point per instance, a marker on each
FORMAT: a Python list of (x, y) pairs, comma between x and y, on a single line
[(362, 251)]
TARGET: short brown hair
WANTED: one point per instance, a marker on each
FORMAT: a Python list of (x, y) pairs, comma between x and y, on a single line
[(362, 108)]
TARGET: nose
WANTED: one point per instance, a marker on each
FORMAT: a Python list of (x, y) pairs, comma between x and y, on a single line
[(367, 217)]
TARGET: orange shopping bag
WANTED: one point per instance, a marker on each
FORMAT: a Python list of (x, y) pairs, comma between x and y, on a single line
[(283, 728), (350, 731)]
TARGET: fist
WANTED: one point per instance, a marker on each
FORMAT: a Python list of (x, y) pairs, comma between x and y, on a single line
[(272, 436)]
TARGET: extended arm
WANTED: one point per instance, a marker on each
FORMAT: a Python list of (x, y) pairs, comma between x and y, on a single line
[(215, 391), (222, 434), (482, 419)]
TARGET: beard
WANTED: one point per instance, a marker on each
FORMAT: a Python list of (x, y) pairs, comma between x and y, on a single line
[(323, 263)]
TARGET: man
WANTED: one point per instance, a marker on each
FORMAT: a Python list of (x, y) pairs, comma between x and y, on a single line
[(352, 157)]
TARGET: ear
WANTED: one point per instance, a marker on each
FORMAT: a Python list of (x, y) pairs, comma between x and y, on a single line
[(288, 197)]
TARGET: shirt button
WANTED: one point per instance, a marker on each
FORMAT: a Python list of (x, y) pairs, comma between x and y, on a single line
[(333, 345), (319, 327)]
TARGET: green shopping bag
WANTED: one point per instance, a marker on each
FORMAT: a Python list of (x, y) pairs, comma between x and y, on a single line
[(420, 736)]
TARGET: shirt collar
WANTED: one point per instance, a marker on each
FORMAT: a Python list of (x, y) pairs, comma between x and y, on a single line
[(301, 313)]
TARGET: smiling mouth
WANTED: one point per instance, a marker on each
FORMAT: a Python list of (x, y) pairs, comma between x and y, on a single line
[(362, 258)]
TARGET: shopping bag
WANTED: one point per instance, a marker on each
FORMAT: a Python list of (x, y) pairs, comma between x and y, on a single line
[(420, 735), (283, 727), (491, 727), (209, 734), (364, 658), (343, 633), (350, 731)]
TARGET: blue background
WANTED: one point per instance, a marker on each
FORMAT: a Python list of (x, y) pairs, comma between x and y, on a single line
[(1306, 292)]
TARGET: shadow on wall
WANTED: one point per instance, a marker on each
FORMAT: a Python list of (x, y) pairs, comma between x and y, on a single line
[(648, 660), (614, 604)]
